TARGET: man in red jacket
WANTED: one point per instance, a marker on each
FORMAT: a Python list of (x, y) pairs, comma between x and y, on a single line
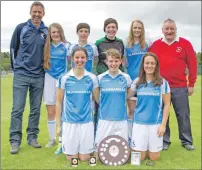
[(175, 55)]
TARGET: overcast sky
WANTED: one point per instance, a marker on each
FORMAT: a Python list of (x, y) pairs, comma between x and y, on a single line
[(187, 15)]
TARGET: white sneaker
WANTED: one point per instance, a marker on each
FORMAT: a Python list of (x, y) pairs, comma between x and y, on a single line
[(50, 143)]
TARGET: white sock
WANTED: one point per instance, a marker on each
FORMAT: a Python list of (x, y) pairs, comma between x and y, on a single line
[(130, 128), (52, 129)]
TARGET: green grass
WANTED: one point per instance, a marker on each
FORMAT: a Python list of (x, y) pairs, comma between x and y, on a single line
[(30, 158)]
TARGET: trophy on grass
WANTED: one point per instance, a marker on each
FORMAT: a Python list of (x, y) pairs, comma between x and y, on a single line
[(135, 158), (74, 162), (113, 151)]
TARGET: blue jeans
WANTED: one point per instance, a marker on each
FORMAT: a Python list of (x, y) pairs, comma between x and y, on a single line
[(21, 85)]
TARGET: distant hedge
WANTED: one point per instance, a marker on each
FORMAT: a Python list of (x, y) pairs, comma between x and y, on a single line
[(199, 69)]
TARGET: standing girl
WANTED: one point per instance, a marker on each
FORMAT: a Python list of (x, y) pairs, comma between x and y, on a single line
[(135, 48), (55, 64), (152, 109), (74, 101)]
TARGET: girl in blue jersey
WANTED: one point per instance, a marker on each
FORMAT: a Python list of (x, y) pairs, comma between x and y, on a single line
[(74, 101), (135, 48), (83, 32), (112, 113), (152, 109), (55, 64)]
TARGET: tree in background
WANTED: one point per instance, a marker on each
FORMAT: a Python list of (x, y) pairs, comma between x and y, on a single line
[(199, 58), (5, 61)]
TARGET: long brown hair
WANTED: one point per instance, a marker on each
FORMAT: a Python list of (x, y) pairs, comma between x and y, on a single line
[(48, 43), (157, 81), (130, 39)]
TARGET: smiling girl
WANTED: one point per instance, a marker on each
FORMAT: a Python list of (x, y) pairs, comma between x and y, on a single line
[(74, 101), (55, 64), (152, 109), (135, 48), (114, 84)]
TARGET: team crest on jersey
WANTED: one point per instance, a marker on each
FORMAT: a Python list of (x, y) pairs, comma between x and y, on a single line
[(87, 82), (62, 49), (121, 80), (42, 36), (179, 49)]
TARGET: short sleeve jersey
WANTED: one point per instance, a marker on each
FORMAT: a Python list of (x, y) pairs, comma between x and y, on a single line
[(92, 53), (77, 96), (149, 106), (58, 59), (134, 57), (113, 93)]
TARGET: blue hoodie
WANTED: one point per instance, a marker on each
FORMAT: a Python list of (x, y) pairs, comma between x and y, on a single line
[(26, 49)]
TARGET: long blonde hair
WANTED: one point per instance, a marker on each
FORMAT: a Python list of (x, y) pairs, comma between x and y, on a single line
[(142, 41), (48, 43)]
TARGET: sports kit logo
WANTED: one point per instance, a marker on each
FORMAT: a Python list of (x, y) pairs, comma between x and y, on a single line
[(63, 148), (133, 143), (42, 36), (121, 80), (87, 82), (179, 49), (63, 49)]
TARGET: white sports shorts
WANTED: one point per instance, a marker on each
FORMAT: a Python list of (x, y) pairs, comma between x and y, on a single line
[(145, 138), (106, 128), (49, 90), (77, 138)]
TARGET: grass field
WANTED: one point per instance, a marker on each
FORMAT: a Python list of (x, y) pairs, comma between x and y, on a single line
[(30, 158)]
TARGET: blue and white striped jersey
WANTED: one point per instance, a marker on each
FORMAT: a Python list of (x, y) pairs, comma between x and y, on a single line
[(149, 106), (113, 94), (58, 59), (92, 53), (134, 57), (77, 96)]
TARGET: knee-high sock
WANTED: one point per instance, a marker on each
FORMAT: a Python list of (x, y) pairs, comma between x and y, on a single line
[(52, 129)]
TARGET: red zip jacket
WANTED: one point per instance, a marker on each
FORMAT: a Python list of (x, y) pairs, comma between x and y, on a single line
[(173, 61)]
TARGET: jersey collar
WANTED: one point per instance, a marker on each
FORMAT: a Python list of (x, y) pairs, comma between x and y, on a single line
[(42, 25), (83, 45), (176, 39), (57, 44), (71, 73), (115, 75)]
